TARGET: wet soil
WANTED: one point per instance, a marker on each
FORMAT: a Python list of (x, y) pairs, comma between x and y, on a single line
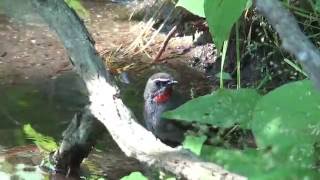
[(30, 52)]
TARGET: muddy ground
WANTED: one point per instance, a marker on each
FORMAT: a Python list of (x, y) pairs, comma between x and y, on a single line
[(30, 52)]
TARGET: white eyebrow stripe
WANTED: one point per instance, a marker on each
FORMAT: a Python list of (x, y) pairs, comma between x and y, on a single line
[(161, 79)]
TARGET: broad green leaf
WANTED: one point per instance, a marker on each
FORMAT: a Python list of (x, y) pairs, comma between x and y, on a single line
[(247, 162), (78, 8), (288, 115), (223, 108), (249, 4), (256, 164), (221, 15), (194, 143), (194, 6), (44, 143), (287, 121), (134, 176)]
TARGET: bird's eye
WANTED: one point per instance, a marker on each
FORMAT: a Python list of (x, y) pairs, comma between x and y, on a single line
[(158, 83), (161, 83)]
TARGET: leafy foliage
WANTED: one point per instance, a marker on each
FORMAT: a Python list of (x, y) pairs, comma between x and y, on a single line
[(285, 124), (45, 143), (221, 15), (258, 164), (194, 6), (194, 143), (223, 108), (78, 7), (317, 5), (287, 120), (134, 176)]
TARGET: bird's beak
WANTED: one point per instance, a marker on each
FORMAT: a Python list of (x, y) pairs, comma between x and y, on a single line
[(172, 82), (168, 85)]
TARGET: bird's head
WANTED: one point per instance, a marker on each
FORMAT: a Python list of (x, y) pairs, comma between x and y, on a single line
[(159, 88)]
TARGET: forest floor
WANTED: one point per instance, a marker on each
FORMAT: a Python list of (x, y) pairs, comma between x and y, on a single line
[(31, 52)]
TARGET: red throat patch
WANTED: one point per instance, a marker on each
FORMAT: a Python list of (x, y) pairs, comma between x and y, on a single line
[(163, 97)]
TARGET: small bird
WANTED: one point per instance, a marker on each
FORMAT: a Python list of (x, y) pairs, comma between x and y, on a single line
[(158, 98)]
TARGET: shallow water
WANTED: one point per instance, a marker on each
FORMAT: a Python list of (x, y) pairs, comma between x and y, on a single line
[(38, 93), (50, 105)]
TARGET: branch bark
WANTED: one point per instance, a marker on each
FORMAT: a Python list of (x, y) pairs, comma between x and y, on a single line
[(293, 39), (106, 105), (165, 43)]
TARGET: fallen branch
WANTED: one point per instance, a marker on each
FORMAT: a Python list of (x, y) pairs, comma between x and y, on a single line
[(293, 39), (106, 105), (165, 43)]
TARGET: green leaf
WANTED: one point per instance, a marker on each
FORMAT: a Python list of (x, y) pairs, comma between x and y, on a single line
[(288, 115), (295, 66), (249, 4), (317, 5), (225, 76), (194, 143), (258, 165), (134, 176), (194, 6), (78, 8), (223, 108), (287, 121), (248, 162), (221, 15), (45, 143)]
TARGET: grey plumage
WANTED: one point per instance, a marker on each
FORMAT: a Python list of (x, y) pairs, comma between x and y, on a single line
[(166, 130)]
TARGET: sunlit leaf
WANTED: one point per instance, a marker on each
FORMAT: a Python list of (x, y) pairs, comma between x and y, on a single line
[(194, 6), (78, 8), (221, 15), (44, 143), (134, 176), (223, 108), (194, 143)]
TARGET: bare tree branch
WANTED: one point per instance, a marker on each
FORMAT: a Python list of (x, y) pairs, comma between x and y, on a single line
[(293, 39), (106, 105), (165, 43)]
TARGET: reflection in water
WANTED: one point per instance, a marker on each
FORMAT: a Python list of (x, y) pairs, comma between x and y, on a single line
[(47, 106)]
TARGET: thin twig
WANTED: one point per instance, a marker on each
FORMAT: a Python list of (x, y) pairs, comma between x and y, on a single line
[(165, 43)]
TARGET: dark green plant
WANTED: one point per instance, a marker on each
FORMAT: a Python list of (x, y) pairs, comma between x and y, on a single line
[(223, 108), (285, 124)]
